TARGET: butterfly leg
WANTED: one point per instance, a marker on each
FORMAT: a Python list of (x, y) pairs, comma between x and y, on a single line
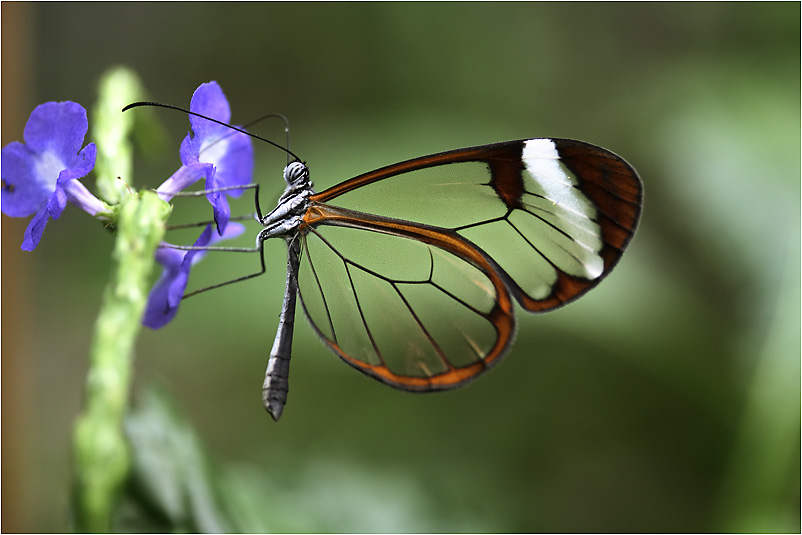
[(259, 248), (277, 229), (203, 193)]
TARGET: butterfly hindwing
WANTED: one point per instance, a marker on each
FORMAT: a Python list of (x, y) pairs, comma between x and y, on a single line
[(408, 305)]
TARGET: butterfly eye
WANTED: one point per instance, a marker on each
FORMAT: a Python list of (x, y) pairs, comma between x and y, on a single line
[(295, 173)]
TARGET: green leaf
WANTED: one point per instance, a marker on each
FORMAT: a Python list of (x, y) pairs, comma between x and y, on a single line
[(172, 485)]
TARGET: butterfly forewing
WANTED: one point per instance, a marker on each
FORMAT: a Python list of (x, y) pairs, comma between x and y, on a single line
[(554, 215), (447, 196), (413, 308)]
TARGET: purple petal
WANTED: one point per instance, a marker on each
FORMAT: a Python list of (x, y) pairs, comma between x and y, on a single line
[(210, 101), (180, 180), (158, 311), (188, 151), (220, 207), (81, 197), (33, 234), (235, 167), (52, 208), (187, 175), (23, 192), (80, 164), (166, 295), (57, 202), (57, 126), (164, 298)]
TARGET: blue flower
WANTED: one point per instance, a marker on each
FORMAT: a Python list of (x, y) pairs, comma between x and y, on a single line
[(222, 156), (40, 176), (168, 291)]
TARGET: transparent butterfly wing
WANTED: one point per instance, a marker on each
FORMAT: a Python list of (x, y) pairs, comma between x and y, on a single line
[(554, 214), (406, 305)]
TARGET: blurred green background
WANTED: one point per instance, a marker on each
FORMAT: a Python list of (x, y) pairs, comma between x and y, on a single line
[(668, 399)]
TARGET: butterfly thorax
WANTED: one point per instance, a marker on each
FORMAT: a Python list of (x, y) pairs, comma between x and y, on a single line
[(286, 217)]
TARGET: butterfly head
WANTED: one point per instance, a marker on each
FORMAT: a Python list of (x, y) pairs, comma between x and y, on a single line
[(296, 173)]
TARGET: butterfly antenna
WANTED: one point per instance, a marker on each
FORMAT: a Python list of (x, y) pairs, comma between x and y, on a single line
[(286, 130), (260, 138)]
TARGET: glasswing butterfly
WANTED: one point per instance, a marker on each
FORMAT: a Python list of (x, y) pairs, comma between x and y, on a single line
[(409, 273)]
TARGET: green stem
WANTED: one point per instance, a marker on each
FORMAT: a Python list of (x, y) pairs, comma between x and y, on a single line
[(111, 131), (101, 452)]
